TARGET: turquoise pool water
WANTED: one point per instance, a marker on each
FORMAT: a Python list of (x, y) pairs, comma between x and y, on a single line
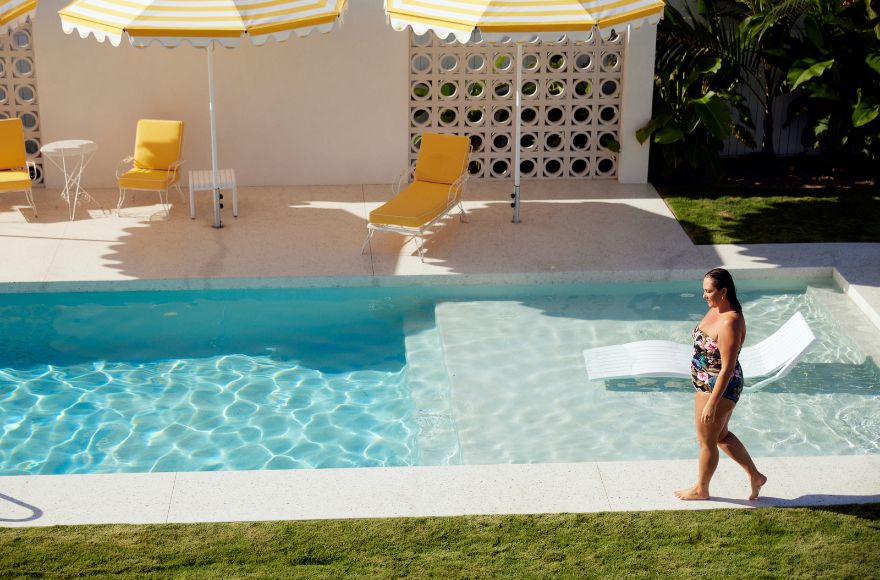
[(419, 375)]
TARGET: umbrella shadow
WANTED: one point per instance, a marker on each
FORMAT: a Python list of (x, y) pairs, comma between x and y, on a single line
[(35, 512), (566, 227)]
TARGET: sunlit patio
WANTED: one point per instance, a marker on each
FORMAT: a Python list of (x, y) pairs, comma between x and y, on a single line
[(567, 227)]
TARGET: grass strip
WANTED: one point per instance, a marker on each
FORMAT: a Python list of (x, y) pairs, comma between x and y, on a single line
[(833, 542), (731, 216)]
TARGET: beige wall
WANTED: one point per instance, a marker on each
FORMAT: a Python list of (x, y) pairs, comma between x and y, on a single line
[(325, 109)]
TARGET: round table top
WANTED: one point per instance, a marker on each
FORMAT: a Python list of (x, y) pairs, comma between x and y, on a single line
[(68, 147)]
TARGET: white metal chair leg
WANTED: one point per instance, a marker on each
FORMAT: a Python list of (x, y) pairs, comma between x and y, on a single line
[(30, 197), (163, 201), (420, 247), (120, 201), (367, 241), (462, 217)]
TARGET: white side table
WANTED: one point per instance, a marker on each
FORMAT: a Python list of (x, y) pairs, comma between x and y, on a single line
[(202, 181), (71, 157)]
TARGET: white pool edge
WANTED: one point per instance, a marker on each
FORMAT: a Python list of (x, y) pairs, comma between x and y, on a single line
[(232, 496)]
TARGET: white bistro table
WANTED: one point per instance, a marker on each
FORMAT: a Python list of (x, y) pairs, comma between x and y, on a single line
[(202, 180), (71, 157)]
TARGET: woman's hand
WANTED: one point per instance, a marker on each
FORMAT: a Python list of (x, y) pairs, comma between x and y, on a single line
[(708, 414)]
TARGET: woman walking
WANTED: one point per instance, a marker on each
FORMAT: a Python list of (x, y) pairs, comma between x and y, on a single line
[(718, 381)]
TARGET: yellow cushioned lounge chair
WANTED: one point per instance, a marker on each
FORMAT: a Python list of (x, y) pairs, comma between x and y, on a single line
[(155, 165), (15, 168), (441, 172)]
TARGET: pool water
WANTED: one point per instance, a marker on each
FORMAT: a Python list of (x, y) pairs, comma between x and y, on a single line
[(394, 376)]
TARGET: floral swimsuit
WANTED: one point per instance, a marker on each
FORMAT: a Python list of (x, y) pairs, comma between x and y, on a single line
[(706, 364)]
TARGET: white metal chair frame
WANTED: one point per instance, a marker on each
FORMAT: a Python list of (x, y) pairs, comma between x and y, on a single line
[(453, 198), (31, 168), (173, 171)]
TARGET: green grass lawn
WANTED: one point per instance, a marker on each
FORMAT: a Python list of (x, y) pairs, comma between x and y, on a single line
[(835, 542), (725, 215)]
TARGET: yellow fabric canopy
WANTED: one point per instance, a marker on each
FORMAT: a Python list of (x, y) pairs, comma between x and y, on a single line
[(519, 19), (13, 13), (199, 22)]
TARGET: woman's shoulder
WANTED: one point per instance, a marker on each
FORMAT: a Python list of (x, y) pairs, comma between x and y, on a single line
[(732, 320)]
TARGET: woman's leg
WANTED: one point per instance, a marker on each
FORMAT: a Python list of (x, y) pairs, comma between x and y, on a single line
[(707, 437), (733, 447)]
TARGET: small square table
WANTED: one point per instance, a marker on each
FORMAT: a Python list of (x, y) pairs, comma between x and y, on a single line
[(202, 180)]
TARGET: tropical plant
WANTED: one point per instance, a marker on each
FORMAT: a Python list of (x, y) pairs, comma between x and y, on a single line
[(698, 72), (838, 75), (767, 31)]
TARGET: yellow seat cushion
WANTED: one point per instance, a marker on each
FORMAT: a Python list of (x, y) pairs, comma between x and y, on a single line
[(415, 206), (14, 180), (442, 158), (137, 178), (157, 144), (12, 153)]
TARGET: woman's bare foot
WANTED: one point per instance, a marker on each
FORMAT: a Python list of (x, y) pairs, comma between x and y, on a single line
[(757, 484), (692, 494)]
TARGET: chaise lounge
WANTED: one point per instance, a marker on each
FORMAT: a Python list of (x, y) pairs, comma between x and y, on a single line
[(441, 173), (776, 354)]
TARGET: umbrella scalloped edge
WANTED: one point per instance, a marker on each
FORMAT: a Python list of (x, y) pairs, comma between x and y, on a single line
[(85, 31), (197, 41), (465, 37)]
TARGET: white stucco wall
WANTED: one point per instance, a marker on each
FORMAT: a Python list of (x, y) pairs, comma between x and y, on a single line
[(636, 102), (325, 109)]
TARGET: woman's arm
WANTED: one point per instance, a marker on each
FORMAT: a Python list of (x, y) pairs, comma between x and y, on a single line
[(729, 341)]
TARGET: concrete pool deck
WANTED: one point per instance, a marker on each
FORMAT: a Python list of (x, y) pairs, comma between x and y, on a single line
[(592, 230)]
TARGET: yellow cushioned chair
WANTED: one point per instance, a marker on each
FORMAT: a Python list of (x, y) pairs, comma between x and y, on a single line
[(440, 175), (155, 165), (15, 168)]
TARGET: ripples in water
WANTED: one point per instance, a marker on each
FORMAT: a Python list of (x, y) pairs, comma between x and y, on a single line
[(227, 412)]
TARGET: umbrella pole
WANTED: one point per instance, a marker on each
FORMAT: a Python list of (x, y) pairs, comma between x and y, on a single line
[(517, 133), (216, 188)]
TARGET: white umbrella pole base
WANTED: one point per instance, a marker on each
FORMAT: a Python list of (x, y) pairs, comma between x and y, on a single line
[(217, 222), (515, 204)]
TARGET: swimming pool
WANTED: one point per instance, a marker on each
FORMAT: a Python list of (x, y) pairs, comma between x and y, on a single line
[(285, 378)]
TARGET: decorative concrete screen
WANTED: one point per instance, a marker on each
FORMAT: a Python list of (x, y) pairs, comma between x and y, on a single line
[(18, 89), (571, 104)]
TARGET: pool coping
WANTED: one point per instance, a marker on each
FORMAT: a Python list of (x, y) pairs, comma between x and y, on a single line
[(232, 496), (465, 279), (138, 498)]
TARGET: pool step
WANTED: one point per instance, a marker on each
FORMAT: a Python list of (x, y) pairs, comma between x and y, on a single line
[(429, 384), (850, 321)]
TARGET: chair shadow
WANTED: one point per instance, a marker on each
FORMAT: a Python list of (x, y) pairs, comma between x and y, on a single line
[(51, 208)]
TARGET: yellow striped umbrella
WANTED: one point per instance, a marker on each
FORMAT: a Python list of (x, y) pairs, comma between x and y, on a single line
[(520, 21), (14, 13), (201, 23)]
